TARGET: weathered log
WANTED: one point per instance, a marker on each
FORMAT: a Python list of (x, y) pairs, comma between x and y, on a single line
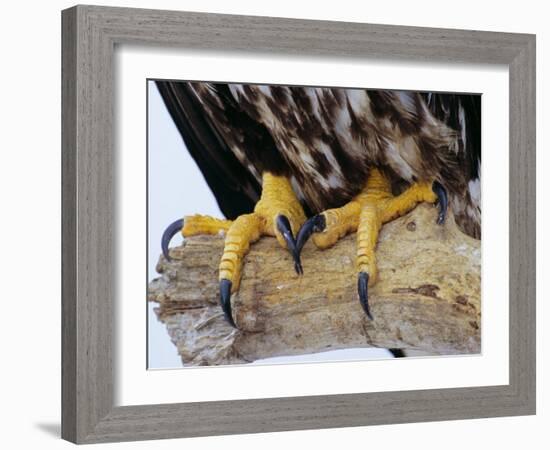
[(427, 297)]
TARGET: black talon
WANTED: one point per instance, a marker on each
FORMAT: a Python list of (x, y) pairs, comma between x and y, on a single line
[(225, 300), (442, 200), (167, 236), (283, 225), (363, 289), (312, 225)]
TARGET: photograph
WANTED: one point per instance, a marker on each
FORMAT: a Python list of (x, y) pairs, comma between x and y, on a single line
[(292, 224), (280, 222)]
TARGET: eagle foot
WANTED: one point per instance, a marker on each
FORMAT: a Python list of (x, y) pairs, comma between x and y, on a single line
[(365, 214), (278, 213), (192, 226)]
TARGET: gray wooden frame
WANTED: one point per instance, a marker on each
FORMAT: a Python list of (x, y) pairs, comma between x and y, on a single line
[(89, 37)]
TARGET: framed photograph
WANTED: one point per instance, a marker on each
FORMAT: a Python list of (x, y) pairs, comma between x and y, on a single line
[(267, 222)]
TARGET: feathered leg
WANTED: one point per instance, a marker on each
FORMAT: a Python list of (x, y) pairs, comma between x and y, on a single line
[(366, 214), (278, 213)]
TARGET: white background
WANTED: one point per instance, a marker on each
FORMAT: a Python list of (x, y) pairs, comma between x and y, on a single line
[(134, 385), (30, 184)]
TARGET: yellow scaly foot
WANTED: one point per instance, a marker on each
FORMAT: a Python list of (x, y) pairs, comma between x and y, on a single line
[(366, 213), (278, 213)]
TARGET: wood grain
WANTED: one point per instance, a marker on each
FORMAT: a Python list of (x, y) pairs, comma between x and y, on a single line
[(428, 296)]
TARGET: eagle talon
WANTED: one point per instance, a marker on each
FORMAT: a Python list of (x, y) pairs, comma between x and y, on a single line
[(314, 224), (363, 290), (442, 201), (172, 229), (225, 300), (283, 225)]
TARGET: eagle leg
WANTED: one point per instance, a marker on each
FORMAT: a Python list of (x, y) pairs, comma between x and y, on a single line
[(278, 213), (366, 213)]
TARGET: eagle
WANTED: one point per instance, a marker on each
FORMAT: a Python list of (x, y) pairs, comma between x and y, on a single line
[(299, 162)]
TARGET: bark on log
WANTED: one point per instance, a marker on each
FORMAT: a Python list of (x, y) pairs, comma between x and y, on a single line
[(427, 297)]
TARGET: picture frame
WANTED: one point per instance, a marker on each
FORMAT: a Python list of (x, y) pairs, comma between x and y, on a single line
[(89, 37)]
